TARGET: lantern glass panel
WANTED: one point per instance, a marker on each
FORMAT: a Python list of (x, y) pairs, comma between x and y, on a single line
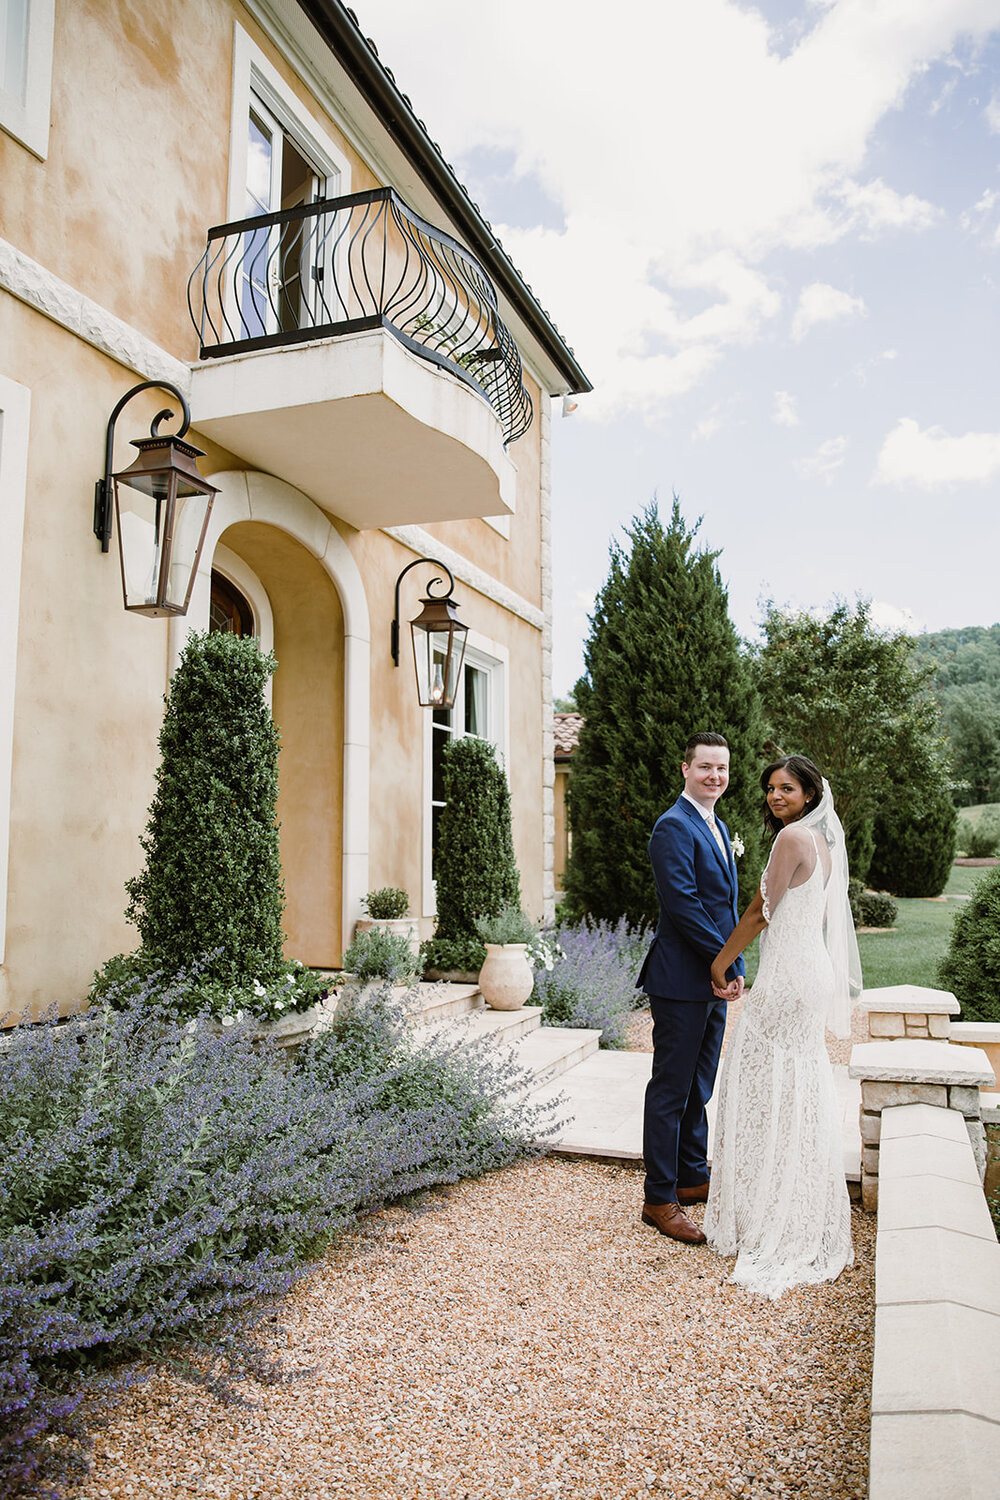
[(438, 657), (142, 531), (191, 513), (161, 525)]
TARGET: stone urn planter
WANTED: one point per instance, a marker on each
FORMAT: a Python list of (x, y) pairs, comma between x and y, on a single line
[(506, 978), (404, 927)]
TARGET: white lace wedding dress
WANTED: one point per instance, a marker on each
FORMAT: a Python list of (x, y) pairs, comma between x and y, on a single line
[(778, 1198)]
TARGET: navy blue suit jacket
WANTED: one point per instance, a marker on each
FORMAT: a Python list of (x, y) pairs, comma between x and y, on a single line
[(697, 890)]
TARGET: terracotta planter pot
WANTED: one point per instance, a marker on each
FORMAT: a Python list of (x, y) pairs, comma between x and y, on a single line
[(506, 979)]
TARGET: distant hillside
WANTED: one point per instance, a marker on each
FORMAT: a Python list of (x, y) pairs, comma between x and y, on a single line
[(966, 684)]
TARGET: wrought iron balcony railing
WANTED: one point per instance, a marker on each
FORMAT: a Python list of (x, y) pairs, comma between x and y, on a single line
[(343, 265)]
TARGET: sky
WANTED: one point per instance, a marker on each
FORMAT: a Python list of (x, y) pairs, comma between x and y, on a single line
[(771, 234)]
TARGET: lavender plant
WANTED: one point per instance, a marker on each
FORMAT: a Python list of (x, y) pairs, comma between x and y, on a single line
[(591, 980), (157, 1176)]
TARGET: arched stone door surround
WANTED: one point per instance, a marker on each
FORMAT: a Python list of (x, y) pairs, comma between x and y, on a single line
[(246, 495)]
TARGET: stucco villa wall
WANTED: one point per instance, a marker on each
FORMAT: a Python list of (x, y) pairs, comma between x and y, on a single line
[(122, 205), (119, 212)]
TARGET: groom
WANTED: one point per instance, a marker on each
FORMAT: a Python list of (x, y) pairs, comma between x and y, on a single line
[(696, 884)]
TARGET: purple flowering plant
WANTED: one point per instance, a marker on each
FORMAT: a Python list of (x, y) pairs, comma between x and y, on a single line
[(156, 1177), (589, 980)]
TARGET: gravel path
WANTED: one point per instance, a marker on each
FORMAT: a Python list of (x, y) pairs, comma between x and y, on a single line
[(525, 1337)]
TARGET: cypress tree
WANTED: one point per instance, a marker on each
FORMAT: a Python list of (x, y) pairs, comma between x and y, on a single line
[(662, 661), (212, 879)]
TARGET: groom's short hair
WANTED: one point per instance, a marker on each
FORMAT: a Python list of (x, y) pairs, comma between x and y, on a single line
[(703, 739)]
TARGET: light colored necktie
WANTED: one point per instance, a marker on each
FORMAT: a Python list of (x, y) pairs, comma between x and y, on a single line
[(717, 836)]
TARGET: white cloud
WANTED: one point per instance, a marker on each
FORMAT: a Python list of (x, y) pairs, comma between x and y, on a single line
[(820, 303), (982, 218), (824, 463), (864, 367), (992, 113), (931, 459), (709, 425), (681, 145), (785, 412), (890, 617)]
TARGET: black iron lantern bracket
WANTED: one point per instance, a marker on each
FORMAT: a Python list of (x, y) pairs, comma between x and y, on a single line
[(435, 563), (102, 489)]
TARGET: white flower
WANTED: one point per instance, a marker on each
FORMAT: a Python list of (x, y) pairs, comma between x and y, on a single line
[(191, 1026), (739, 848), (279, 1004), (227, 1020), (258, 988), (241, 1013), (289, 978)]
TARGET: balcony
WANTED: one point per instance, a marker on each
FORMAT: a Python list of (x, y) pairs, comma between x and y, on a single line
[(357, 352)]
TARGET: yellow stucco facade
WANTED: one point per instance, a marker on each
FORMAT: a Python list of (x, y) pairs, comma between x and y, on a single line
[(100, 229)]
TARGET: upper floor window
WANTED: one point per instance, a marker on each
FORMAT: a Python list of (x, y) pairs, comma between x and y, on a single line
[(279, 266), (26, 31)]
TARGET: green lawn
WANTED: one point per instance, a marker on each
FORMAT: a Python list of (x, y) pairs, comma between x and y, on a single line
[(910, 954), (981, 810), (963, 878)]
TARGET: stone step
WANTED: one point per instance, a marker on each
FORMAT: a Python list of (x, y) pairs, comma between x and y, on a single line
[(443, 1002), (550, 1052), (508, 1026)]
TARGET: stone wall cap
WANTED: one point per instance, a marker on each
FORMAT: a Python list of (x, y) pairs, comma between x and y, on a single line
[(903, 1121), (989, 1105), (920, 1061), (911, 997), (976, 1031)]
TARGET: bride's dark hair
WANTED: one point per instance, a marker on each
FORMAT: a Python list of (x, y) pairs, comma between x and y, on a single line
[(805, 772)]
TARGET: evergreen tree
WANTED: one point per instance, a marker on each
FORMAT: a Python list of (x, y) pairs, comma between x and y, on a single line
[(971, 968), (662, 662), (474, 869), (851, 698), (914, 841), (213, 872)]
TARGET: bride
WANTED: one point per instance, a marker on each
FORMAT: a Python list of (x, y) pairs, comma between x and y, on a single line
[(778, 1199)]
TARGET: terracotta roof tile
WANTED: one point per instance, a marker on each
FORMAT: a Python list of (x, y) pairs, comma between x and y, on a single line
[(567, 734)]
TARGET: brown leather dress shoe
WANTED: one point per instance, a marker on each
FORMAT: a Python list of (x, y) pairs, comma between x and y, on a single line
[(671, 1220), (696, 1194)]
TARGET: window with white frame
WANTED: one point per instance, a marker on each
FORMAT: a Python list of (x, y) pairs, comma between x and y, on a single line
[(480, 709), (26, 34)]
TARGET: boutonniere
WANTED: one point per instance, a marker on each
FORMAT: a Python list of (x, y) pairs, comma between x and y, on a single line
[(738, 846)]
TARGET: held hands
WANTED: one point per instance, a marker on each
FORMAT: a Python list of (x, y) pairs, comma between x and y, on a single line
[(723, 988)]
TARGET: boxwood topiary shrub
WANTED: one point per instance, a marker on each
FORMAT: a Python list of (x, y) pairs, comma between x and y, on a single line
[(971, 967), (475, 869), (914, 844), (211, 896), (877, 909)]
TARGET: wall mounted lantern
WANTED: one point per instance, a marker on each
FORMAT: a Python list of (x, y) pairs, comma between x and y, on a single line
[(438, 640), (162, 505)]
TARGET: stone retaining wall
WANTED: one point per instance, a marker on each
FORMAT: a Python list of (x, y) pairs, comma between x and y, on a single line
[(936, 1377)]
